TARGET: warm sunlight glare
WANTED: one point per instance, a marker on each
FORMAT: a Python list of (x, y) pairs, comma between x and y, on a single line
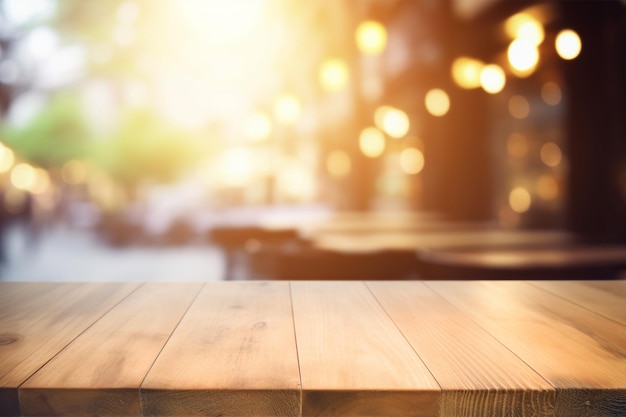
[(287, 108), (258, 127), (236, 167)]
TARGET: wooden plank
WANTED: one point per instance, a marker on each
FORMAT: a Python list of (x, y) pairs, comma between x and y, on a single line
[(607, 298), (37, 320), (582, 354), (233, 354), (100, 371), (478, 375), (353, 359)]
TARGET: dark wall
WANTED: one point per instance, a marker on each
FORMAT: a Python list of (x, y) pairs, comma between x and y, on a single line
[(596, 120)]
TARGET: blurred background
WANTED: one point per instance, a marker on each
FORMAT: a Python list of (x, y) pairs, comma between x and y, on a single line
[(134, 132)]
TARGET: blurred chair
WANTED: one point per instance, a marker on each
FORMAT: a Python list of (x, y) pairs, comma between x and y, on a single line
[(234, 239), (301, 261)]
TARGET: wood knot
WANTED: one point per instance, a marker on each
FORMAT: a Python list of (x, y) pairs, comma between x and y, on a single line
[(259, 325), (7, 339)]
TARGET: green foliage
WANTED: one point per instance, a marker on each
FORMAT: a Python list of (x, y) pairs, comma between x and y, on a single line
[(145, 147), (57, 133)]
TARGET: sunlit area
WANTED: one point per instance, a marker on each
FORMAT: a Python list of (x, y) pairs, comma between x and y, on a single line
[(196, 137)]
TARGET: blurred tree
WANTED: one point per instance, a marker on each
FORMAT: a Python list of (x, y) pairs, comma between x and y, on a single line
[(146, 148), (55, 135)]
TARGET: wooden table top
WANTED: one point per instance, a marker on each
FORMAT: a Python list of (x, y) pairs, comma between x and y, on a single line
[(410, 348)]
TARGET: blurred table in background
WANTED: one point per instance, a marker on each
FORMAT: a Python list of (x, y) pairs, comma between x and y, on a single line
[(559, 262)]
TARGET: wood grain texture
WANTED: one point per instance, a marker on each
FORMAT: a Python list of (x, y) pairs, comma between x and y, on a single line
[(607, 298), (582, 354), (113, 355), (478, 375), (353, 359), (37, 320), (233, 354)]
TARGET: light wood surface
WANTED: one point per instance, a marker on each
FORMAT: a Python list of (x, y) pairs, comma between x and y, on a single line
[(348, 346), (113, 355), (455, 348), (37, 320), (478, 375), (607, 298), (234, 352), (582, 354)]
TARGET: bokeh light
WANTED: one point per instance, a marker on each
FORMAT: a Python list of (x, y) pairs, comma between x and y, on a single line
[(287, 108), (296, 182), (519, 107), (547, 187), (437, 102), (466, 72), (524, 26), (372, 142), (258, 127), (379, 116), (551, 154), (7, 158), (568, 44), (523, 57), (371, 37), (42, 181), (492, 78), (394, 122), (338, 164), (23, 176), (236, 167), (333, 74), (551, 93), (412, 161), (520, 200)]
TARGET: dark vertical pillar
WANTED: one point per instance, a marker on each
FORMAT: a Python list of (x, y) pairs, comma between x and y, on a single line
[(595, 123)]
